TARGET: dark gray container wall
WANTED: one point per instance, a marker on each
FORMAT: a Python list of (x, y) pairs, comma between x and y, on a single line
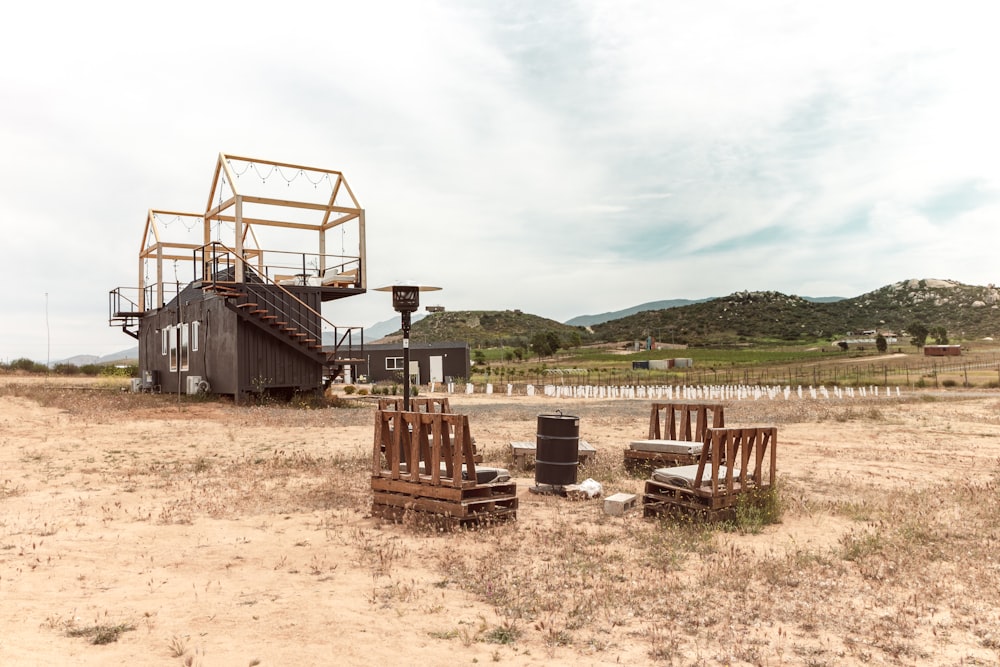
[(235, 356)]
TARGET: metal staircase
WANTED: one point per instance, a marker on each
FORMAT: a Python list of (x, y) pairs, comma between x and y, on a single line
[(281, 314)]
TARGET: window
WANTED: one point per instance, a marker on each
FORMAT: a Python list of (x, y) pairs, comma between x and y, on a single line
[(185, 355), (394, 363), (172, 337), (195, 326), (165, 336)]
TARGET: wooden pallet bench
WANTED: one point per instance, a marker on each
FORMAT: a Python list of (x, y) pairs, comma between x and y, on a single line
[(424, 463), (676, 433), (737, 463)]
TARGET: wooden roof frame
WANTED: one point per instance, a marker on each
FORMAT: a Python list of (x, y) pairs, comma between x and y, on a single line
[(330, 215), (230, 209)]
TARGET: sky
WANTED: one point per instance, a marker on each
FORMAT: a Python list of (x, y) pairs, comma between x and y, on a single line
[(562, 158)]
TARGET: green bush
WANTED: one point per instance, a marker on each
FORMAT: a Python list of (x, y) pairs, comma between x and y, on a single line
[(349, 389), (362, 392), (948, 383)]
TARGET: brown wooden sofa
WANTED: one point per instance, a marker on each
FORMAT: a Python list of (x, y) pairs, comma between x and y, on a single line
[(736, 463)]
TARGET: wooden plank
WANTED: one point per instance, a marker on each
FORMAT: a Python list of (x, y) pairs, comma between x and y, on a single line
[(290, 203), (287, 165), (472, 490), (437, 506)]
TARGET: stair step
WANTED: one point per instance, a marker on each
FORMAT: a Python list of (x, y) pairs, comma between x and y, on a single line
[(246, 305), (258, 311), (269, 317)]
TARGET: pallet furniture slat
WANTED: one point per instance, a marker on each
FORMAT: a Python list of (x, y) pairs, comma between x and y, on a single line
[(418, 462), (679, 421), (735, 462)]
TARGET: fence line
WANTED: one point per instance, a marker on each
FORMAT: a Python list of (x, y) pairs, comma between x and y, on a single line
[(683, 392)]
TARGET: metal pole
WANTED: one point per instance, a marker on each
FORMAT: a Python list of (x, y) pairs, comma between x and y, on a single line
[(405, 315)]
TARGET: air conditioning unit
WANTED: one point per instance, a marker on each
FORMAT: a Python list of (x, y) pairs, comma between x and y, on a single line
[(136, 384), (192, 384)]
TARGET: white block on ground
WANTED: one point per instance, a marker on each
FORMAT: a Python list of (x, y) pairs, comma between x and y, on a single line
[(620, 503)]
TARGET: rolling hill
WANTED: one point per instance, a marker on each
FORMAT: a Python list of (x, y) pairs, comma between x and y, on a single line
[(966, 311)]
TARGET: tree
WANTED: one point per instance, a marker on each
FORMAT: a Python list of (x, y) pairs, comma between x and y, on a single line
[(480, 357), (555, 343), (918, 333), (881, 344), (940, 335), (540, 345)]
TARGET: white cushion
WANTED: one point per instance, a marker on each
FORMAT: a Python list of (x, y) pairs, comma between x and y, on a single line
[(667, 446), (683, 476)]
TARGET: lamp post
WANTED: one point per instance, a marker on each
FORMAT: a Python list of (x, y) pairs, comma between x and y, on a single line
[(405, 300)]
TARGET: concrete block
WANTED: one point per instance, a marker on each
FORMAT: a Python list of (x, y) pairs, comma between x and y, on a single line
[(620, 503)]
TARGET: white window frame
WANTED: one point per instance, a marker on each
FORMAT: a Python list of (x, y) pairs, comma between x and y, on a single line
[(164, 340), (185, 346), (396, 363), (195, 330), (173, 348)]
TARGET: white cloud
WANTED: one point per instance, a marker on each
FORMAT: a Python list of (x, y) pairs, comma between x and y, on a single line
[(560, 158)]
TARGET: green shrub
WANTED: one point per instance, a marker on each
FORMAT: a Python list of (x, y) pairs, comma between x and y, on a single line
[(948, 383), (349, 389), (362, 392)]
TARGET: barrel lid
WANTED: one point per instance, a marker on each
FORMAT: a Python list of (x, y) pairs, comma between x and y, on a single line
[(558, 416)]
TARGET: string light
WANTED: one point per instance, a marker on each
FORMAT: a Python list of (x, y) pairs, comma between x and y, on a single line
[(320, 176)]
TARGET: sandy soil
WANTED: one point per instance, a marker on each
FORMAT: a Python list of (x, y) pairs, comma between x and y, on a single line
[(212, 534)]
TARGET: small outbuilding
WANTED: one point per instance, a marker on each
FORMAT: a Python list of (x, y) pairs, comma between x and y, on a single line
[(429, 362), (942, 350)]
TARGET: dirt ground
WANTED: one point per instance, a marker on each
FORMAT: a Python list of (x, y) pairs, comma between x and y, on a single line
[(139, 529)]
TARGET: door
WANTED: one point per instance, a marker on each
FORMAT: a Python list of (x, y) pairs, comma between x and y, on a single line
[(437, 369)]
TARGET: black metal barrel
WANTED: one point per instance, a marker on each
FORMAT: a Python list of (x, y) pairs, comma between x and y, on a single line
[(557, 449)]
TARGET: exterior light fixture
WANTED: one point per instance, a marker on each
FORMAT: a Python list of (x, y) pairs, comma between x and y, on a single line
[(406, 300)]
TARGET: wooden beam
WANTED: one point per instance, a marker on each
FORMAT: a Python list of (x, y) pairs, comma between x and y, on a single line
[(212, 214), (278, 164), (291, 203), (269, 223), (341, 220)]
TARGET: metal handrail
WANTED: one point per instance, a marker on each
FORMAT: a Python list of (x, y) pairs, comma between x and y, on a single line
[(215, 258)]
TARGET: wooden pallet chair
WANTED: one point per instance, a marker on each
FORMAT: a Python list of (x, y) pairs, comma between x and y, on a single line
[(736, 463), (676, 434), (424, 463)]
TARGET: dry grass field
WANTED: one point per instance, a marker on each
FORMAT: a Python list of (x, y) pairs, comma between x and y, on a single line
[(142, 529)]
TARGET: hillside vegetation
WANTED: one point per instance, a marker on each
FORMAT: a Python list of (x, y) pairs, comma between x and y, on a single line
[(965, 311), (491, 328)]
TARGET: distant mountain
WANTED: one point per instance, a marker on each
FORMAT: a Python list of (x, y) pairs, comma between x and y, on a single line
[(589, 320), (378, 330), (131, 354)]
